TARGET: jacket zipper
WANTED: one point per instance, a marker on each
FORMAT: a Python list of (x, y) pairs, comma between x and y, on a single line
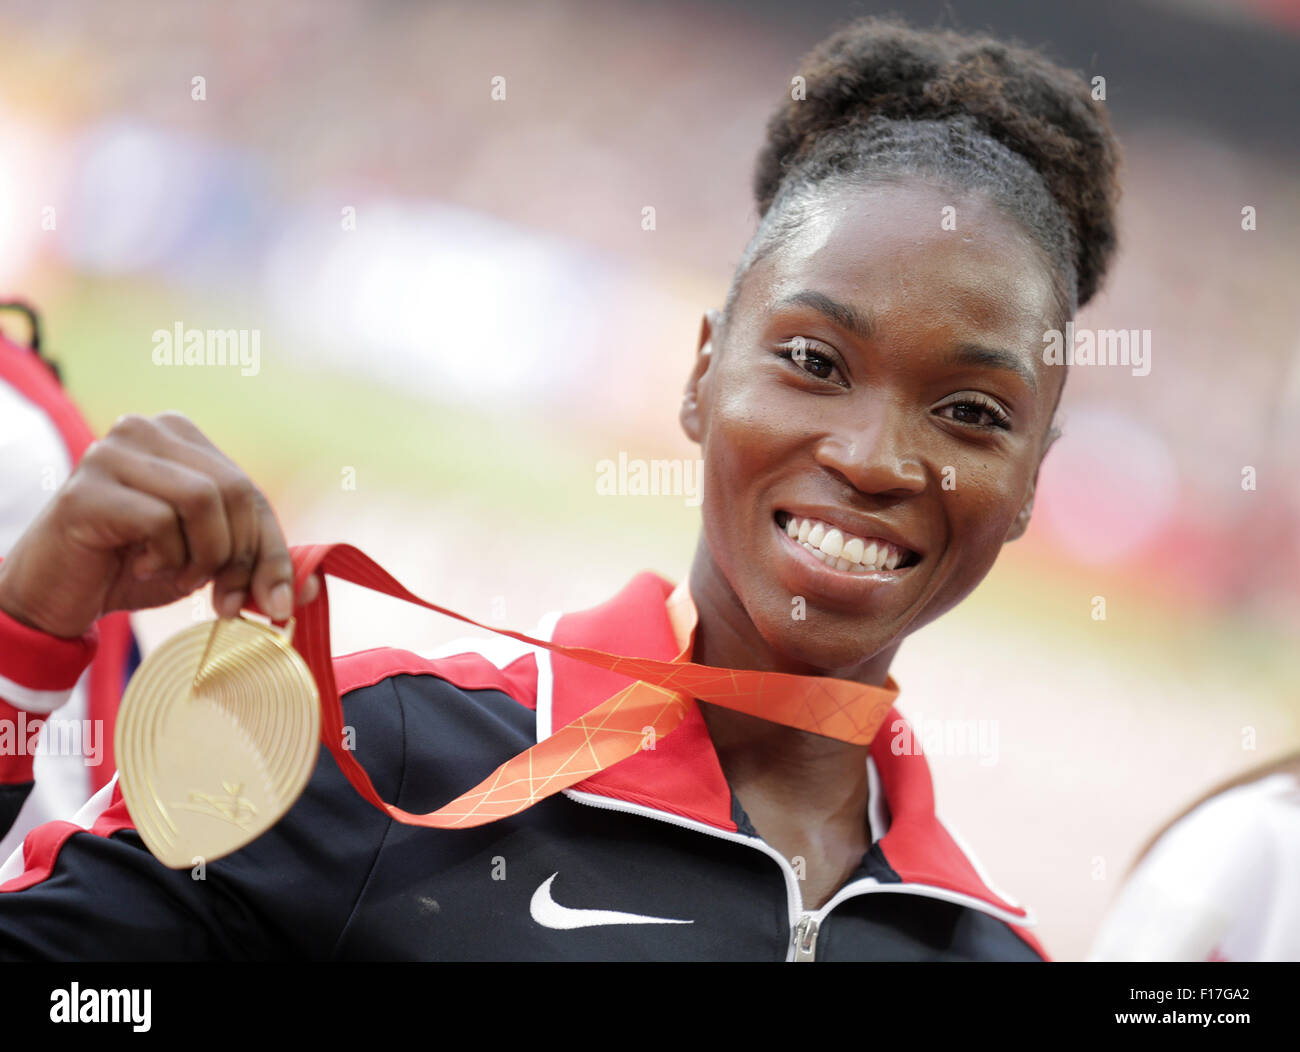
[(804, 938)]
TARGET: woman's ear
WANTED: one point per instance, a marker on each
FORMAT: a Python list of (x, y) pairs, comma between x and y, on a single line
[(690, 415), (1022, 520), (1021, 524)]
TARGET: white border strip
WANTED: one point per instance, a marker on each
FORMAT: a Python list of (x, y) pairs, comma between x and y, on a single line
[(877, 805), (37, 702), (545, 673), (1030, 920), (85, 817)]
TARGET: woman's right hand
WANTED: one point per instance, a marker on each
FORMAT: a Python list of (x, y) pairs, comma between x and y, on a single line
[(152, 512)]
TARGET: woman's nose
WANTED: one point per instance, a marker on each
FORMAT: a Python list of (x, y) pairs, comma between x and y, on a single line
[(878, 455)]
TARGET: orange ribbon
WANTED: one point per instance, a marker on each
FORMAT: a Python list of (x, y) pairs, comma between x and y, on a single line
[(636, 716)]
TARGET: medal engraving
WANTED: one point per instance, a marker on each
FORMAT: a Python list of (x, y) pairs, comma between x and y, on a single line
[(231, 804)]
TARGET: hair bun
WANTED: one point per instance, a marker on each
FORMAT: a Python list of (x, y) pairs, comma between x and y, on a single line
[(881, 68)]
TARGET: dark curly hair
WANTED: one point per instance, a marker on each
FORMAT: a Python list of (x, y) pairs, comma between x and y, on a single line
[(885, 101)]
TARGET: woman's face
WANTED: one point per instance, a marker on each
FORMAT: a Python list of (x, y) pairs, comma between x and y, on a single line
[(881, 375)]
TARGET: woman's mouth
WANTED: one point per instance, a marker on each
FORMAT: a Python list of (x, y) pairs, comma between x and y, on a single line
[(842, 551)]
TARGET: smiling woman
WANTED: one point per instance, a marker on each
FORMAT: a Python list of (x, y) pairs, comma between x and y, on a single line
[(872, 403), (872, 408)]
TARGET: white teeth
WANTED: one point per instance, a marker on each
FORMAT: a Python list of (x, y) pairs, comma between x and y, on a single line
[(832, 544), (839, 564), (855, 554)]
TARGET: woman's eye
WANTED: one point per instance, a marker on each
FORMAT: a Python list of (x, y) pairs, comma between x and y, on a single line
[(978, 413), (800, 352)]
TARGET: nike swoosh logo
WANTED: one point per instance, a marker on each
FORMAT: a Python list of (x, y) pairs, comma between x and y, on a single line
[(550, 914)]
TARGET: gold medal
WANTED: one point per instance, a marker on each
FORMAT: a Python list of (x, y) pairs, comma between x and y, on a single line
[(217, 735)]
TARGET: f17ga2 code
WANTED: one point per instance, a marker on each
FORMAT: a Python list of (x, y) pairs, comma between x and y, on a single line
[(1184, 993)]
